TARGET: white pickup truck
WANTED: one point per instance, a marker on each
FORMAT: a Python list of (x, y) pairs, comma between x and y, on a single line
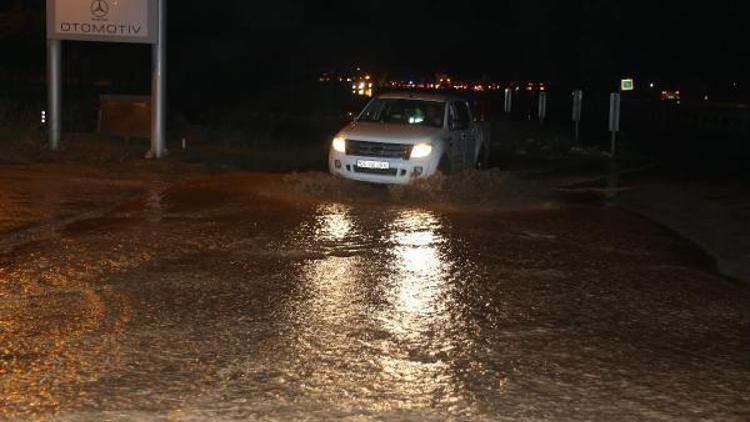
[(400, 137)]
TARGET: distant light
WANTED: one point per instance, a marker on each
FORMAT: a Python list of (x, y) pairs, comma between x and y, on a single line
[(44, 117), (651, 85), (705, 98)]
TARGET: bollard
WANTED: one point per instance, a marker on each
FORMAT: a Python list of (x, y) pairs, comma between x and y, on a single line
[(508, 100)]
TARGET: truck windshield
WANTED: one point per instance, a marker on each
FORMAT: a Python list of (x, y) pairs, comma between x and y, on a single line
[(405, 112)]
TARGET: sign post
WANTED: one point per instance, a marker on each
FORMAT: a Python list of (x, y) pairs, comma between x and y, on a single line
[(577, 111), (614, 120), (158, 86), (542, 106), (508, 100), (54, 91), (131, 21)]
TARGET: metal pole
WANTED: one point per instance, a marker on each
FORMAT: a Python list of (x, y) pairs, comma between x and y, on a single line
[(542, 106), (54, 91), (158, 85), (614, 120), (577, 112)]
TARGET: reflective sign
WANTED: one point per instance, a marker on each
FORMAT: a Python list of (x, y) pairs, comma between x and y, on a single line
[(129, 21), (627, 85)]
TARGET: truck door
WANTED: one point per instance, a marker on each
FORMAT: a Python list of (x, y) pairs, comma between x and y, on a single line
[(459, 127), (470, 140)]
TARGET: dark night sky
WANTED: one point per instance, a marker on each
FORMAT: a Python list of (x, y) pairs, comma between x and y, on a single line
[(507, 39), (248, 44)]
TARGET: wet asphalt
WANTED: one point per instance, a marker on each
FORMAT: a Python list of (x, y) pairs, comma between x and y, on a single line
[(129, 294)]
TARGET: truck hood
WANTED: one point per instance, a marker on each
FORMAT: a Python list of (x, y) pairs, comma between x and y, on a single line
[(381, 132)]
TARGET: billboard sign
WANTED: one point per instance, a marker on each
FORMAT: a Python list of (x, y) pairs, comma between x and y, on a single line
[(128, 21)]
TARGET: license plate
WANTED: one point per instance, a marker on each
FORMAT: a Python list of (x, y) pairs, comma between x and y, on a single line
[(367, 164)]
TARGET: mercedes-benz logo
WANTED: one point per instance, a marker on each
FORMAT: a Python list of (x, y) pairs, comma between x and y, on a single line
[(99, 8)]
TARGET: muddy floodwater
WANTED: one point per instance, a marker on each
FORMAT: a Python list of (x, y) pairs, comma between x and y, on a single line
[(129, 294)]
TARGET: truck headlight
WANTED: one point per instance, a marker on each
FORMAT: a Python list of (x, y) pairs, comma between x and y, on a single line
[(339, 144), (421, 150)]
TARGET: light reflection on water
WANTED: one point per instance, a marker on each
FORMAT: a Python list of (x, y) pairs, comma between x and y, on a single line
[(378, 299), (393, 270), (419, 271), (334, 222), (329, 283)]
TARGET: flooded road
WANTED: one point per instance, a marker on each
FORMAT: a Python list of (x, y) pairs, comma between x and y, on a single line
[(252, 296)]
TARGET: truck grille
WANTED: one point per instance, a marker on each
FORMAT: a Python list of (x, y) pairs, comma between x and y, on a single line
[(378, 149)]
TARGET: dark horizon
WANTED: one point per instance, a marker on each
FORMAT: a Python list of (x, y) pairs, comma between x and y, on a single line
[(247, 47)]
